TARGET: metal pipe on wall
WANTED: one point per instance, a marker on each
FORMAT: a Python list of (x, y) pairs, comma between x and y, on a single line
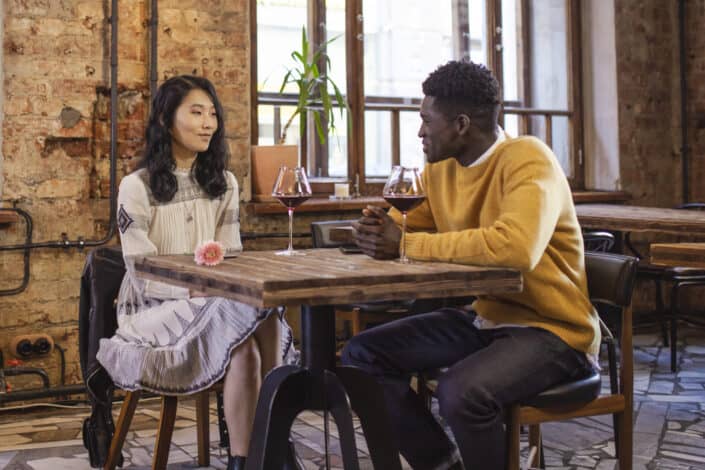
[(80, 242), (153, 23)]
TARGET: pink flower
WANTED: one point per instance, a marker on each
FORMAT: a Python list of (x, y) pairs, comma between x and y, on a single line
[(209, 253)]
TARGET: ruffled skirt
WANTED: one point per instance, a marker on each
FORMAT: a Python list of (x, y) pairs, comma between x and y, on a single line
[(180, 347)]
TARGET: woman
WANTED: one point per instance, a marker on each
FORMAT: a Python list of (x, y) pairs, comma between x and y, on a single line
[(172, 340)]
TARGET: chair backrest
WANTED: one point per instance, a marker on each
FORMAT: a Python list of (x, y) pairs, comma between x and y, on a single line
[(610, 277), (321, 232), (100, 283), (598, 241)]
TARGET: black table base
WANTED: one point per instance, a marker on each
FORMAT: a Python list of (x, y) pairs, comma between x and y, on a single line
[(320, 385)]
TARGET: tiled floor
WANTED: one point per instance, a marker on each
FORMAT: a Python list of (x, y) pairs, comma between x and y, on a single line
[(669, 430)]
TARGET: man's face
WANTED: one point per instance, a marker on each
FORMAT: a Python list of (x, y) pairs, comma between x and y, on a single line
[(439, 135)]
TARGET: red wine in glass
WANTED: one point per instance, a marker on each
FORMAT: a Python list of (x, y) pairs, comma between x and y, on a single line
[(404, 191), (292, 201), (404, 203), (291, 189)]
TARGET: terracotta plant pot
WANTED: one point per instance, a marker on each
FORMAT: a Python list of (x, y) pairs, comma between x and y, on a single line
[(266, 160)]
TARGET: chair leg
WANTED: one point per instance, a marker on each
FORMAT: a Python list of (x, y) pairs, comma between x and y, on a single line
[(512, 425), (674, 327), (166, 429), (422, 390), (355, 324), (127, 411), (203, 428), (661, 312), (623, 432), (535, 441)]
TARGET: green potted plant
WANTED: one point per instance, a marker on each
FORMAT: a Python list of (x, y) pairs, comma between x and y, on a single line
[(314, 99)]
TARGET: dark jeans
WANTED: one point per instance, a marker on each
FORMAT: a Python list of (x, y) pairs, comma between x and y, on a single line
[(488, 370)]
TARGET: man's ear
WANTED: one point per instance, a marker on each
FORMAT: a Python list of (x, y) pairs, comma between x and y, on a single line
[(462, 123)]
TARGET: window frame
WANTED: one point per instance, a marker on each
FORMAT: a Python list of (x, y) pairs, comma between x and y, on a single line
[(316, 157)]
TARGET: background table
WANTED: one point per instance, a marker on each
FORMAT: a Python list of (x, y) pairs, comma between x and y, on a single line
[(319, 280), (691, 255), (641, 219)]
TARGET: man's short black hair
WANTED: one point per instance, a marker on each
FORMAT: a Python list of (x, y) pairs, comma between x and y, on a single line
[(464, 87)]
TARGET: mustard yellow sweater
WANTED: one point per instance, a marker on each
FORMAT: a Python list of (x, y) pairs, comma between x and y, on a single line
[(513, 210)]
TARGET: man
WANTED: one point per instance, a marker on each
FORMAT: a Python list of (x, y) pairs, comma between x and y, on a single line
[(491, 200)]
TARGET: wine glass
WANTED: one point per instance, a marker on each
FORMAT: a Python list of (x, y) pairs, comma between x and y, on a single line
[(404, 191), (291, 188)]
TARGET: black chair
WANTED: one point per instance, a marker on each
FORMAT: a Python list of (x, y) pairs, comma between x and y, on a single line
[(100, 283), (678, 278), (610, 281), (598, 241)]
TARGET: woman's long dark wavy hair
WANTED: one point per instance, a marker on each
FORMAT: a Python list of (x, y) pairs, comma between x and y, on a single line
[(209, 166)]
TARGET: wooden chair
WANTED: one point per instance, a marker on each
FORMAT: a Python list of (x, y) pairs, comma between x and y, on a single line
[(167, 418), (610, 281)]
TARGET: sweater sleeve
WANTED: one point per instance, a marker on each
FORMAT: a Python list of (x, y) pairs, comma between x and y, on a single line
[(227, 230), (134, 220), (530, 205)]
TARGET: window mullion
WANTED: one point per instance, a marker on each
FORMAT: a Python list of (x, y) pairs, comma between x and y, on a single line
[(317, 153), (354, 68), (526, 95), (575, 91), (461, 29)]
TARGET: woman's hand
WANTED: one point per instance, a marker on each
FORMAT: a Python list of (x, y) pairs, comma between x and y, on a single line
[(377, 234)]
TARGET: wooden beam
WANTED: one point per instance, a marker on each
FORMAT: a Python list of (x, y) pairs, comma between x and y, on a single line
[(356, 90)]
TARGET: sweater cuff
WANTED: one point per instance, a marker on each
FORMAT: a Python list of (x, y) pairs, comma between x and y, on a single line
[(414, 246)]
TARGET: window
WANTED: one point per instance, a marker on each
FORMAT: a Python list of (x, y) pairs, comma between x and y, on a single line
[(387, 49)]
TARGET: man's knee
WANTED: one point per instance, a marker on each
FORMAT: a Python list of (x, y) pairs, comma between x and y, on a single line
[(466, 400)]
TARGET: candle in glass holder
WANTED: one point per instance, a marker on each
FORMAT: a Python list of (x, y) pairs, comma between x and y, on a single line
[(341, 190)]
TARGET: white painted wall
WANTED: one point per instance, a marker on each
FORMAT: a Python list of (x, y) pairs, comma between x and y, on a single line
[(601, 118)]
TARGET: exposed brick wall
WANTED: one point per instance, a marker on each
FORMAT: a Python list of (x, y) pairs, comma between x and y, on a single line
[(648, 71), (647, 45), (56, 131), (696, 96)]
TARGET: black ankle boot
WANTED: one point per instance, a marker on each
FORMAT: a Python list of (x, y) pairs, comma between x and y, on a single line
[(292, 461), (236, 462)]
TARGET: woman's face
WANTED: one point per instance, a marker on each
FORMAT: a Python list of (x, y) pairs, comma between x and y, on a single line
[(195, 122)]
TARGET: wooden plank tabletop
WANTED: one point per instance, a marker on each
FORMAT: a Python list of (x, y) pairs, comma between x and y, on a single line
[(641, 219), (689, 255), (327, 277)]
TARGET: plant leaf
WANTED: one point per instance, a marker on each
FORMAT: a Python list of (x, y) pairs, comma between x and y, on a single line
[(285, 81)]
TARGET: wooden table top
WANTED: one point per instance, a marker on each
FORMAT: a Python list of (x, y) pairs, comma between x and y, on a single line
[(327, 277), (641, 219), (689, 255)]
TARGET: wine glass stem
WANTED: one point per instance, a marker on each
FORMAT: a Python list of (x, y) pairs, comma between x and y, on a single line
[(291, 229), (403, 237)]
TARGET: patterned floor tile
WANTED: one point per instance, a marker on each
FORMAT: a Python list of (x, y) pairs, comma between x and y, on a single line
[(669, 426)]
